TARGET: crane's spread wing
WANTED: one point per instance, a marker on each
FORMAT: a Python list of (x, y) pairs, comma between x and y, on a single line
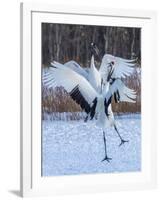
[(121, 92), (121, 67), (76, 85), (77, 68)]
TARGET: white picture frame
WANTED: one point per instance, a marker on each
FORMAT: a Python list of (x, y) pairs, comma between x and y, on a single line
[(32, 183)]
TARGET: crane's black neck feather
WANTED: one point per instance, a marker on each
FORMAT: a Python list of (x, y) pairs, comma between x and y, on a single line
[(96, 52)]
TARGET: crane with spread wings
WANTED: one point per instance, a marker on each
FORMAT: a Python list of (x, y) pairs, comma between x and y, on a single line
[(93, 89)]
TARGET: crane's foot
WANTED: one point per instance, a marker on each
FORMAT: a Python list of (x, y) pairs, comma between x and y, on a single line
[(107, 159), (86, 118), (122, 142)]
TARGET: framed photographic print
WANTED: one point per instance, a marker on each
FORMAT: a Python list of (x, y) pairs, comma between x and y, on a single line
[(87, 112)]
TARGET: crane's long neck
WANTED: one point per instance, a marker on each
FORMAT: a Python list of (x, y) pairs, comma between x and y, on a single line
[(92, 62)]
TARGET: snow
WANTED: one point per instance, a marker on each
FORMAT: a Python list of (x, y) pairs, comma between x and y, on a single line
[(76, 147)]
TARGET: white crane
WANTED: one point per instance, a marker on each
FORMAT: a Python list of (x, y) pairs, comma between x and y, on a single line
[(111, 68), (92, 94)]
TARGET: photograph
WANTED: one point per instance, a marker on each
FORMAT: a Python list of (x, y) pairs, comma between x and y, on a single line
[(90, 99)]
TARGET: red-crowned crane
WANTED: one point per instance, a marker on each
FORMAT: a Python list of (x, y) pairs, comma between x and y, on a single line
[(94, 96)]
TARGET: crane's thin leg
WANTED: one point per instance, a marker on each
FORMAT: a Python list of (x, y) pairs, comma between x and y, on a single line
[(122, 140), (86, 118), (106, 157)]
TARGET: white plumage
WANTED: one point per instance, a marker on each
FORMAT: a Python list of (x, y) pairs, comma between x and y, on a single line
[(94, 76), (60, 75), (93, 89), (120, 67)]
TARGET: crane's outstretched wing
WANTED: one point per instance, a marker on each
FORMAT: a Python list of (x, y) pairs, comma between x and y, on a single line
[(77, 68), (121, 92), (120, 67), (76, 85)]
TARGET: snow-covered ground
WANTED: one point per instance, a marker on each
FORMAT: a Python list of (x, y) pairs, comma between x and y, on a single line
[(75, 147)]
